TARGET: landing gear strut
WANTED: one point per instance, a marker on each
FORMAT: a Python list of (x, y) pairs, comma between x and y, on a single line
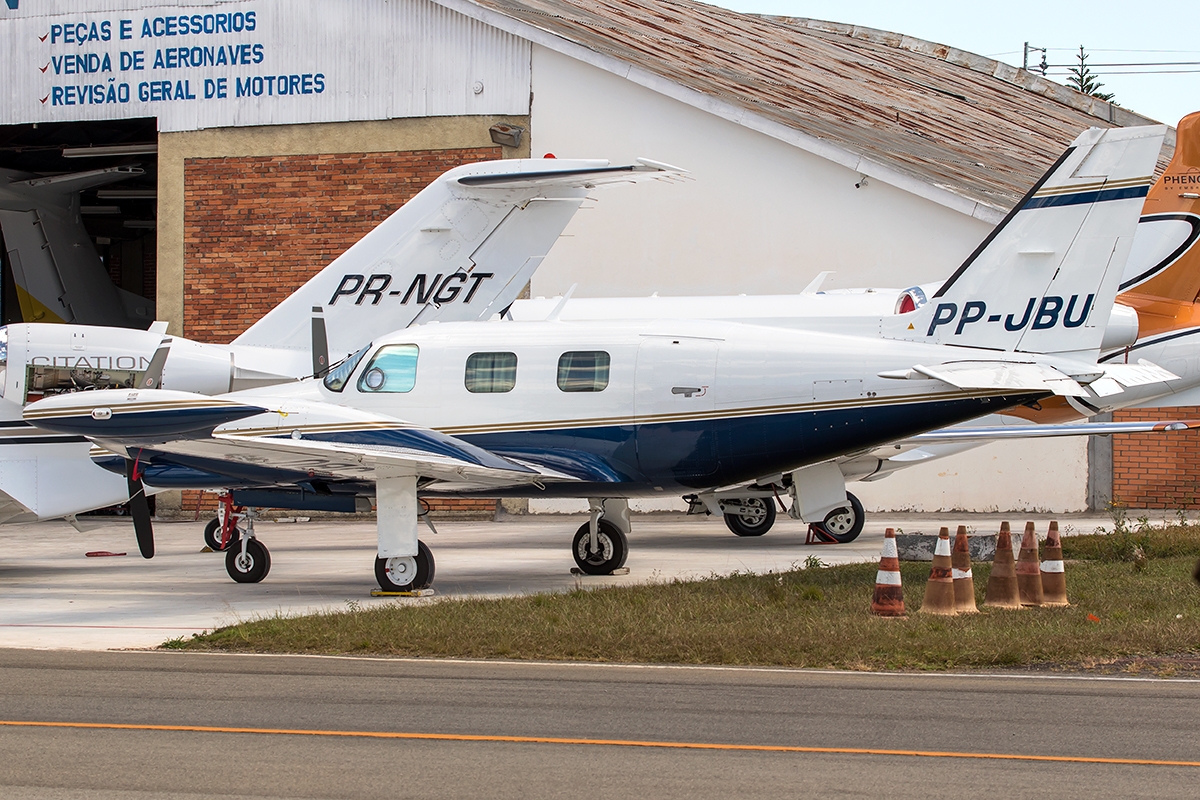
[(600, 546), (222, 530)]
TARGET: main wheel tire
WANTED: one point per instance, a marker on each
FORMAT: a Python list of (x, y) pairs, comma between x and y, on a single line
[(212, 536), (614, 548), (844, 525), (250, 568), (406, 573), (760, 518)]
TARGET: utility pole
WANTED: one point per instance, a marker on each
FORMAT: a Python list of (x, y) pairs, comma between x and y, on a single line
[(1041, 67)]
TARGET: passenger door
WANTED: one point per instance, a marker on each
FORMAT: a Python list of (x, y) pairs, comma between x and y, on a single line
[(674, 405)]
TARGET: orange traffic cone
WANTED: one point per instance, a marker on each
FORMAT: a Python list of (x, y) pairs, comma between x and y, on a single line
[(964, 581), (939, 592), (1029, 573), (888, 600), (1002, 583), (1054, 577)]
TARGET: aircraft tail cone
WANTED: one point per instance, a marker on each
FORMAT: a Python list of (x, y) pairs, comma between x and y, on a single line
[(1029, 573), (939, 592), (964, 581), (888, 600), (1002, 583), (1054, 577)]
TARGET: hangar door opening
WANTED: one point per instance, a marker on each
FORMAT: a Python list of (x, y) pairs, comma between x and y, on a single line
[(78, 218)]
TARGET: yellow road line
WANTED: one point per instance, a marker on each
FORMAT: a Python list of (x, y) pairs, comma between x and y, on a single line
[(463, 737)]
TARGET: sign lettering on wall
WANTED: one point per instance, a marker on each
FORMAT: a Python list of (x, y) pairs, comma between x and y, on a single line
[(256, 62)]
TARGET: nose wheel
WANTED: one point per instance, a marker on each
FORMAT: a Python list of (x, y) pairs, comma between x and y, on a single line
[(609, 552), (406, 573)]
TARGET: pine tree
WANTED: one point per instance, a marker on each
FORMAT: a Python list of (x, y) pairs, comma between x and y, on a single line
[(1083, 79)]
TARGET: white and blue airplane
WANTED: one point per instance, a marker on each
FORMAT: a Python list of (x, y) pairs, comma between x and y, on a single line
[(1156, 318), (613, 410), (463, 248)]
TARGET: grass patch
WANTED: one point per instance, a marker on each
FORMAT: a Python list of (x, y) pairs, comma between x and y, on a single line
[(1122, 614)]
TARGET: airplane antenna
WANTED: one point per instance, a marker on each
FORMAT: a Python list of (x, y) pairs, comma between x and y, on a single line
[(561, 304)]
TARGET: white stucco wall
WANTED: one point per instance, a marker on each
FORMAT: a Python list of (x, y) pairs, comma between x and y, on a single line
[(762, 216)]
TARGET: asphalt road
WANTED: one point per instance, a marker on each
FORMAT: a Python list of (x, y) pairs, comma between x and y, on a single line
[(616, 730)]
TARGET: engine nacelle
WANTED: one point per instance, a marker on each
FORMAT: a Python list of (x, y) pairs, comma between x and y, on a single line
[(197, 367), (1122, 330)]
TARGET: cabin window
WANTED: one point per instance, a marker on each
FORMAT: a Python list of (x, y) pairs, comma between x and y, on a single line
[(583, 371), (393, 369), (340, 373), (491, 373)]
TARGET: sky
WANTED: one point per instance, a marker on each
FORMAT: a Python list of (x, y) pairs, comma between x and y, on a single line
[(1112, 31)]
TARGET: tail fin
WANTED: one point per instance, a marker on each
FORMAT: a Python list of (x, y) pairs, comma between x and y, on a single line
[(1045, 279), (58, 274), (462, 249), (1165, 261)]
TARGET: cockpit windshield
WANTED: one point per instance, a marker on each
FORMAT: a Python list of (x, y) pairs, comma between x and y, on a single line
[(335, 381)]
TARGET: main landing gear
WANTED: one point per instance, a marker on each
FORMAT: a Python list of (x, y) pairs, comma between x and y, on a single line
[(601, 545), (222, 530), (842, 525), (247, 560), (406, 573), (751, 511)]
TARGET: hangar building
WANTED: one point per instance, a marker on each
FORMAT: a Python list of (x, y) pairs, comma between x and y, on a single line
[(273, 133)]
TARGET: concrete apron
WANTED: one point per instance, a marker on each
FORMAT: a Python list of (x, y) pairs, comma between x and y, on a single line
[(53, 596)]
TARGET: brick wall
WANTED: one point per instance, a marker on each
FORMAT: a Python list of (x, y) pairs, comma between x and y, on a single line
[(256, 228), (203, 505), (1157, 470)]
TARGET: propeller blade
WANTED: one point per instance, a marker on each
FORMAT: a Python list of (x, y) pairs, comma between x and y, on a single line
[(139, 509)]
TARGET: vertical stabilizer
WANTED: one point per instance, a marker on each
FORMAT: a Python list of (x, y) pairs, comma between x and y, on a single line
[(1045, 279), (462, 249)]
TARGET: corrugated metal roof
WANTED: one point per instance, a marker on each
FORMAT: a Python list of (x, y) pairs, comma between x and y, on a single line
[(975, 127)]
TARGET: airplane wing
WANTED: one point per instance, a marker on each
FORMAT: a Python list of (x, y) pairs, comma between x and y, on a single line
[(278, 437)]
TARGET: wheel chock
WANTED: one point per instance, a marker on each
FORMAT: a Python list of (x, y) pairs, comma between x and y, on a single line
[(817, 535), (413, 593), (617, 571), (101, 554), (207, 549)]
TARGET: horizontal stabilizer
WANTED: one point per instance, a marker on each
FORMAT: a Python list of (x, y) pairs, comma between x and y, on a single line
[(583, 178)]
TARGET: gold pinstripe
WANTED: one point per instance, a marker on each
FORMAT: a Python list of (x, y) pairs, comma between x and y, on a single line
[(1093, 186)]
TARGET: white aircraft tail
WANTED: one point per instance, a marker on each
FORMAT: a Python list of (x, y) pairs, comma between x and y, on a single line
[(1045, 279), (462, 249)]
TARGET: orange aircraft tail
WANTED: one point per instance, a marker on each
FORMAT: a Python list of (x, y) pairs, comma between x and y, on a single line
[(1162, 278)]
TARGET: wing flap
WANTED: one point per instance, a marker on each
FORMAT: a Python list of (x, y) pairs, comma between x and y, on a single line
[(1020, 376)]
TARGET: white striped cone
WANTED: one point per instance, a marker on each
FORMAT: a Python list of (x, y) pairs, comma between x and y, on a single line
[(888, 600)]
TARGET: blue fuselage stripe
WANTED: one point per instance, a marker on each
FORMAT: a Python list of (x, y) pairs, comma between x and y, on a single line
[(633, 460), (1099, 196)]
